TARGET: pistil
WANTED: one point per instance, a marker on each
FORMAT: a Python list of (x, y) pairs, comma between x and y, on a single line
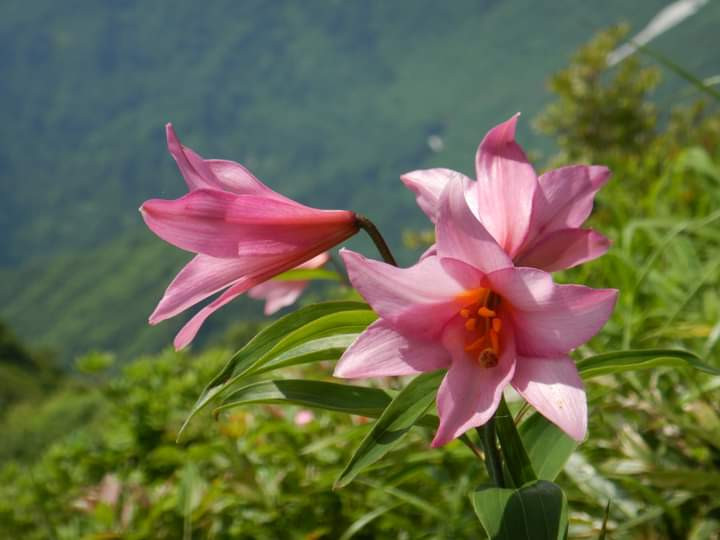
[(479, 308)]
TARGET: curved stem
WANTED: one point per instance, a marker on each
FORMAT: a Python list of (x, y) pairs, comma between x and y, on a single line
[(374, 234), (493, 461)]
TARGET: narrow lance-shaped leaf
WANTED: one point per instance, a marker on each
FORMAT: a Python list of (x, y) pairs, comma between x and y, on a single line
[(632, 360), (345, 398), (518, 466), (308, 274), (267, 340), (547, 447), (405, 410)]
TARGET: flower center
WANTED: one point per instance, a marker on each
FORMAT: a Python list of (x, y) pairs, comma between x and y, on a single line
[(482, 325)]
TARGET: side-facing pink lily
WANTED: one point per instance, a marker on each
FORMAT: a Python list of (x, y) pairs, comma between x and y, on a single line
[(469, 309), (243, 233), (279, 294), (536, 220)]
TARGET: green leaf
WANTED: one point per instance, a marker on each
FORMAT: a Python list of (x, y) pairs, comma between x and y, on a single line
[(517, 462), (307, 274), (301, 341), (405, 410), (546, 445), (679, 71), (536, 511), (317, 394), (270, 339), (317, 350), (360, 523), (630, 360)]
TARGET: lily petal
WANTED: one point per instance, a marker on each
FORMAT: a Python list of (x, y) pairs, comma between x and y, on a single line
[(222, 224), (416, 301), (381, 351), (565, 197), (233, 177), (564, 248), (469, 394), (553, 386), (200, 278), (550, 319), (188, 332), (460, 235), (277, 294), (428, 185), (506, 184), (197, 175)]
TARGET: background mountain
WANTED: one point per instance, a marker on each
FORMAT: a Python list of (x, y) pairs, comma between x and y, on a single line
[(327, 102)]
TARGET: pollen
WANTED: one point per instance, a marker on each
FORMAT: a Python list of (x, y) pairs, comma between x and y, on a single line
[(486, 312), (483, 327)]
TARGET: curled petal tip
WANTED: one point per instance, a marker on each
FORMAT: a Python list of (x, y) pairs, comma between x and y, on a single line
[(170, 134), (502, 133), (599, 175)]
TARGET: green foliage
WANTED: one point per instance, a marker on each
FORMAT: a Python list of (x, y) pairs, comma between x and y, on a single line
[(595, 118), (251, 474), (536, 511), (24, 374), (402, 413)]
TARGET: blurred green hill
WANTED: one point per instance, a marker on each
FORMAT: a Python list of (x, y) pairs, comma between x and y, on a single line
[(328, 102)]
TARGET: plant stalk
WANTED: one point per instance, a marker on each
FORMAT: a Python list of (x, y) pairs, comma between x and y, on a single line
[(374, 234), (493, 461)]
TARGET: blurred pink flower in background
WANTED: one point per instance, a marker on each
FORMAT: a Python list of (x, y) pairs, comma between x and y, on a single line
[(303, 417), (279, 294), (243, 233), (469, 309), (536, 220)]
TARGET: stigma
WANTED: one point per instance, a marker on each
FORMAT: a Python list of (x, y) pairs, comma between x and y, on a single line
[(482, 325)]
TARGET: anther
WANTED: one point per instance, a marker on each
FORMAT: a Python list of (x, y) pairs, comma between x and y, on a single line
[(470, 324), (497, 325), (485, 312), (465, 313)]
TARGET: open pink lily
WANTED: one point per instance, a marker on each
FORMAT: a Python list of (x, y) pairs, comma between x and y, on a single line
[(536, 220), (243, 232), (279, 294), (469, 309)]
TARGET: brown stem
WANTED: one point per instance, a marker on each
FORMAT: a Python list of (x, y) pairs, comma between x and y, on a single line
[(372, 231)]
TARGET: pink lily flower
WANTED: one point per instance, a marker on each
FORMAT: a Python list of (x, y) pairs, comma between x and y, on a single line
[(469, 309), (279, 294), (243, 233), (536, 220)]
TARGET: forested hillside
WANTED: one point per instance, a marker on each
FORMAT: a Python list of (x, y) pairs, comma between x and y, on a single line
[(328, 102)]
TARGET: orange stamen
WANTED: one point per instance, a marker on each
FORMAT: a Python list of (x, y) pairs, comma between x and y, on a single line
[(485, 312), (495, 341), (475, 345), (477, 307)]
